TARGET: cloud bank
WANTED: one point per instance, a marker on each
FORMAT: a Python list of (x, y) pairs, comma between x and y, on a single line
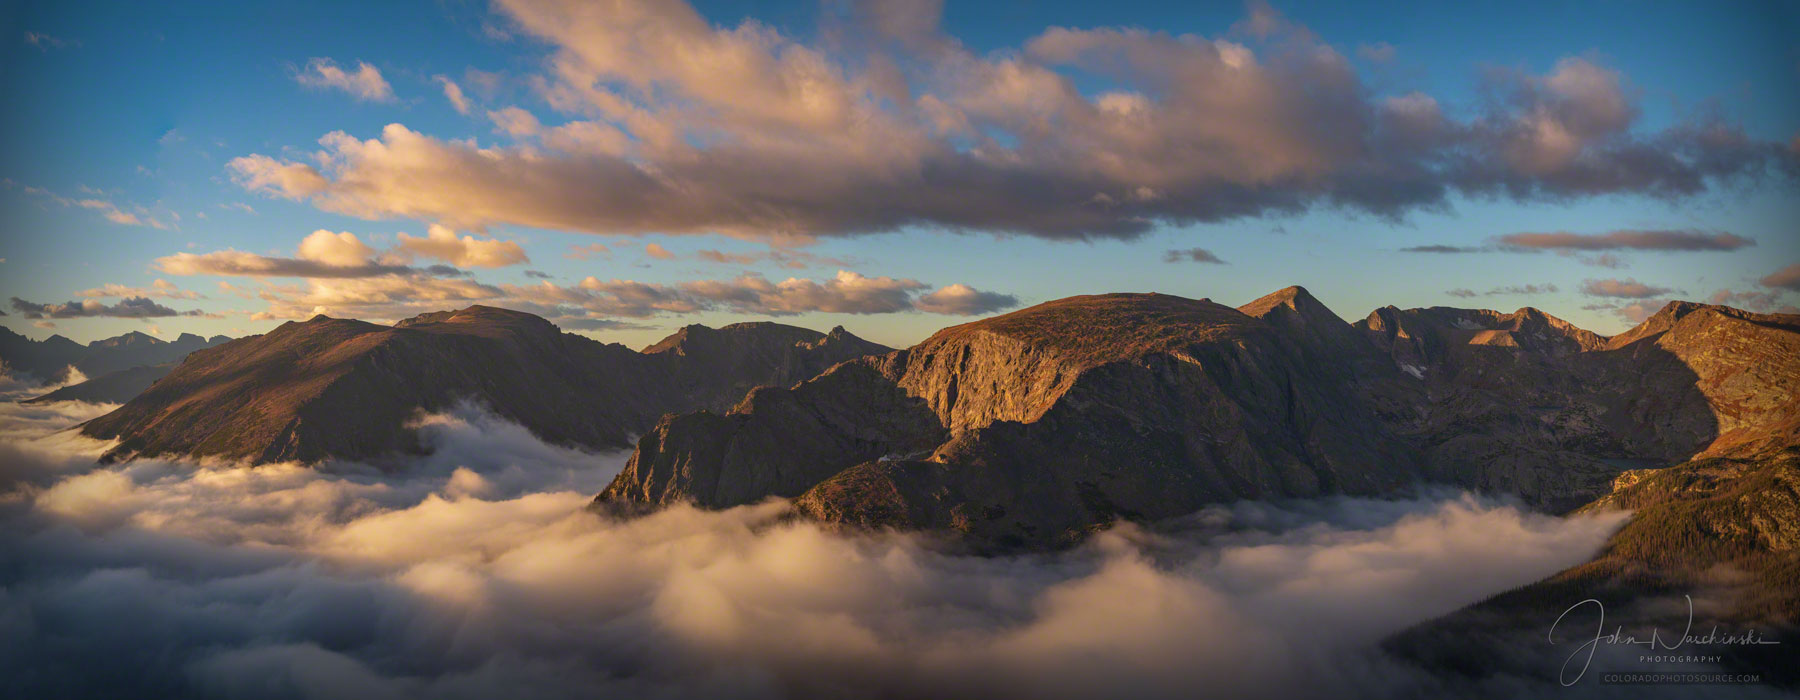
[(473, 573), (670, 124), (129, 307)]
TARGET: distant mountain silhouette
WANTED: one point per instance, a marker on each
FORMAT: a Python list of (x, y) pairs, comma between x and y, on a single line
[(49, 359)]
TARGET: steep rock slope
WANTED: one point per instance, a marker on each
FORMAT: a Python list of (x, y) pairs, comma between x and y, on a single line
[(347, 389), (1033, 427)]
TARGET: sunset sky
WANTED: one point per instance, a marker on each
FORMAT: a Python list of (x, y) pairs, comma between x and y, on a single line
[(630, 167)]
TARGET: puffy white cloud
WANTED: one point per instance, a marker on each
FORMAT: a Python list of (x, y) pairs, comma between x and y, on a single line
[(341, 249), (441, 243), (365, 82), (963, 300), (261, 173), (685, 127)]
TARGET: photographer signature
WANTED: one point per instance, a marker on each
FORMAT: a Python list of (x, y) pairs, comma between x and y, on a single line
[(1618, 637)]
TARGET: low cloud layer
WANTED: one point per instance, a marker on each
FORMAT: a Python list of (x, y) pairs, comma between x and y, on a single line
[(473, 573), (662, 122)]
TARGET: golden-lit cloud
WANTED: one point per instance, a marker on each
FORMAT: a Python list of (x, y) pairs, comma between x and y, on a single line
[(364, 83), (454, 94), (661, 122), (846, 292), (441, 243), (162, 289)]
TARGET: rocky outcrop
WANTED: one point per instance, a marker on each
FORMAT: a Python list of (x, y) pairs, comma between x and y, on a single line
[(332, 388), (1034, 427), (1030, 429)]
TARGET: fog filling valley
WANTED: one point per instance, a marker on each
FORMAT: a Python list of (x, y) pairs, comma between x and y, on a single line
[(475, 572)]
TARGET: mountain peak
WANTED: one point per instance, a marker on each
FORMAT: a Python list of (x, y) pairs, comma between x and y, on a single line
[(1099, 328), (132, 338), (1678, 311), (1295, 298)]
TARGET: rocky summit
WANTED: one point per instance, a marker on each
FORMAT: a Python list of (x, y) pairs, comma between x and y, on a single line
[(335, 388), (1030, 429)]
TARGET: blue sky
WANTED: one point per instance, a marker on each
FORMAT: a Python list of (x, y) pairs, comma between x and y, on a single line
[(150, 116)]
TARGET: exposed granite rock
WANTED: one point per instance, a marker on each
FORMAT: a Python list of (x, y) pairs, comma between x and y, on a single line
[(347, 389), (1032, 428)]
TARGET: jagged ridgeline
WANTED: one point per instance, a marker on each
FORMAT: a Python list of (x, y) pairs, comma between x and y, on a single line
[(335, 388), (116, 368), (1032, 428)]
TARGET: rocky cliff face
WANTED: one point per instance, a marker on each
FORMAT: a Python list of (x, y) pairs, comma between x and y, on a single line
[(1031, 428), (346, 389)]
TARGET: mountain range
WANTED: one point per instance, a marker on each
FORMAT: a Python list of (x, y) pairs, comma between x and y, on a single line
[(116, 368), (1030, 430), (342, 388)]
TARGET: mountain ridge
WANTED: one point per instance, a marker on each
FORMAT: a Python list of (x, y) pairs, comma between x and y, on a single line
[(342, 388)]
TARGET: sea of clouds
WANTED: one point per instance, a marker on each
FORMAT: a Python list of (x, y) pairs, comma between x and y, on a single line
[(475, 572)]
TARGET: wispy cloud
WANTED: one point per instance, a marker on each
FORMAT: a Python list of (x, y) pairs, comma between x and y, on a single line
[(1677, 240), (1199, 255), (1622, 289), (364, 83), (162, 289), (454, 94), (1785, 278)]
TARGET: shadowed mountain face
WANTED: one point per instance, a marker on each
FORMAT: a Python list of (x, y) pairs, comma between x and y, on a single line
[(1031, 428), (50, 359), (347, 389), (113, 387)]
